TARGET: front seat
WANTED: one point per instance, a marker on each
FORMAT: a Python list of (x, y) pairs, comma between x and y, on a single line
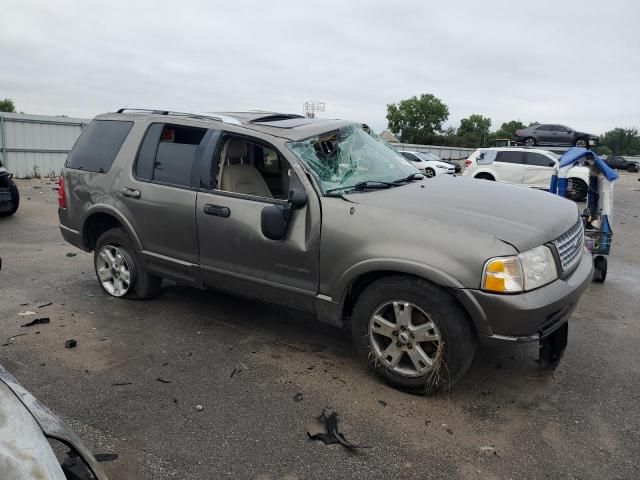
[(239, 177)]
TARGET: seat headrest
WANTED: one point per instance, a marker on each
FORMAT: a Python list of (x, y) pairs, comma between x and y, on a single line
[(236, 148)]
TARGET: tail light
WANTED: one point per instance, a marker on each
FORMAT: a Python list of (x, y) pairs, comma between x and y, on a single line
[(517, 133), (62, 199), (467, 163)]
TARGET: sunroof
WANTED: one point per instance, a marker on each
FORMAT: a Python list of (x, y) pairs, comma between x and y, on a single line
[(276, 117)]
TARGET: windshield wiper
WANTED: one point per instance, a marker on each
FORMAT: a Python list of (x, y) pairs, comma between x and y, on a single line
[(369, 184), (409, 178)]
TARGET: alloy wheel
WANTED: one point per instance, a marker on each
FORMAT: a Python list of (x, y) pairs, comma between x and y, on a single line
[(405, 338), (114, 271)]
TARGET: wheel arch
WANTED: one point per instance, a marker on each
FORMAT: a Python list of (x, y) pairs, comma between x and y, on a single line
[(355, 280), (102, 218)]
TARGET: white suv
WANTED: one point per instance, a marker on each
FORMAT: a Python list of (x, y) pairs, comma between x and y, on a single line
[(524, 166)]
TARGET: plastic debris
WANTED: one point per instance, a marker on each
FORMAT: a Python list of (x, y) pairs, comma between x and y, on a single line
[(42, 305), (36, 321), (28, 312), (71, 254), (71, 343), (199, 407), (487, 450), (325, 429), (162, 380)]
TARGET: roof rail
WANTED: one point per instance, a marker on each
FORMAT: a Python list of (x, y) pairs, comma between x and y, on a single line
[(214, 117)]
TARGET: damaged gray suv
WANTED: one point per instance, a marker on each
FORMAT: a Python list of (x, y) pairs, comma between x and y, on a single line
[(322, 216)]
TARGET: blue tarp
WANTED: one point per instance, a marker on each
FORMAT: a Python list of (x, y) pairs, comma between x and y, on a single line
[(576, 153)]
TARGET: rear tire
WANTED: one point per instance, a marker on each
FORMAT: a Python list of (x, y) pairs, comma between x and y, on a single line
[(600, 269), (530, 142), (426, 359), (15, 199), (485, 176), (115, 256), (631, 168), (582, 143)]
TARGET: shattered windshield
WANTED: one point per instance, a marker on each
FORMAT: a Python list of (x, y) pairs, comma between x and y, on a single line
[(349, 156)]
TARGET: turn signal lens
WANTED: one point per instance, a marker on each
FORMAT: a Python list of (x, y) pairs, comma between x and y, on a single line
[(503, 275)]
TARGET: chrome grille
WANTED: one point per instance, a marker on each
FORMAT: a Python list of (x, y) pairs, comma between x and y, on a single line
[(569, 246)]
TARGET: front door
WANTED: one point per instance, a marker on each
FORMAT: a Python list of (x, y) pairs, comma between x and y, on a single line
[(234, 253)]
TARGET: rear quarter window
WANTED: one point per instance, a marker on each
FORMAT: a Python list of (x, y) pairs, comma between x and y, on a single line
[(97, 147), (486, 158)]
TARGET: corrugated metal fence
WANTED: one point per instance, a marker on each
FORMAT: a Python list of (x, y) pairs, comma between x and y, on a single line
[(37, 145)]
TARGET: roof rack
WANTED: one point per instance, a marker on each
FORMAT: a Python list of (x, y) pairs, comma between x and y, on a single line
[(207, 116)]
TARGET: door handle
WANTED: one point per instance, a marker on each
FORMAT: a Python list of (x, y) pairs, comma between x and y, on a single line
[(130, 192), (217, 210)]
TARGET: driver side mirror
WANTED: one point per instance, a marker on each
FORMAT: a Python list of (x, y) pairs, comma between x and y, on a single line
[(552, 164), (274, 218)]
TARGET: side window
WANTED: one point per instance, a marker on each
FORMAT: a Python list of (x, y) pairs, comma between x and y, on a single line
[(167, 153), (538, 159), (487, 157), (252, 168), (559, 128), (97, 147), (509, 157), (546, 128), (409, 156)]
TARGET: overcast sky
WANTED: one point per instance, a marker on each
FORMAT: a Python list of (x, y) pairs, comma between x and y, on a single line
[(572, 62)]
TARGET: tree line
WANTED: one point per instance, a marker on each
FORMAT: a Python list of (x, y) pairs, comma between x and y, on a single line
[(420, 120)]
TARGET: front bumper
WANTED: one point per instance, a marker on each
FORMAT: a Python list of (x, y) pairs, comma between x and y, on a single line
[(534, 315)]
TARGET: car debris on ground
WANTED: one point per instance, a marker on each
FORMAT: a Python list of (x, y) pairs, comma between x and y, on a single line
[(325, 429), (71, 343), (36, 321)]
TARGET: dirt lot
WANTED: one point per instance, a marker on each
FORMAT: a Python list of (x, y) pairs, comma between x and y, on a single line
[(244, 362)]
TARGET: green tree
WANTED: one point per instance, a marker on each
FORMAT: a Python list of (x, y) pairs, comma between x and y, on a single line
[(508, 129), (621, 141), (417, 119), (603, 150), (7, 105), (474, 130)]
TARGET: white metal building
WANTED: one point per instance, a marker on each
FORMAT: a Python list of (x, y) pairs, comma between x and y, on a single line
[(37, 145)]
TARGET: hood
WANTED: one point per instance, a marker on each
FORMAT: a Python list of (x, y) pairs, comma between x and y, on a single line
[(520, 216)]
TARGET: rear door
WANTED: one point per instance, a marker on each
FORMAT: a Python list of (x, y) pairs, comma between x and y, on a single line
[(509, 166), (545, 134), (159, 196), (538, 169)]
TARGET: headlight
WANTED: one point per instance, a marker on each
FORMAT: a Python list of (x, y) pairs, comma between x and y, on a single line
[(531, 269), (441, 166)]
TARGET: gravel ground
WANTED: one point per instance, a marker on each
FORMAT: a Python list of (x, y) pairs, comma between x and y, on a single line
[(244, 362)]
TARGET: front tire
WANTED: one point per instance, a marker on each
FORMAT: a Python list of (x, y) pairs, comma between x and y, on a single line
[(118, 269), (582, 143), (530, 142), (15, 199), (577, 190), (631, 168), (412, 334), (485, 176), (429, 172)]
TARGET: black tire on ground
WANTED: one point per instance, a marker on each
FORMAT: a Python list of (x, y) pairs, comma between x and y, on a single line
[(582, 142), (577, 189), (429, 172), (143, 285), (15, 199), (485, 176), (600, 268), (458, 340), (530, 142), (631, 168)]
